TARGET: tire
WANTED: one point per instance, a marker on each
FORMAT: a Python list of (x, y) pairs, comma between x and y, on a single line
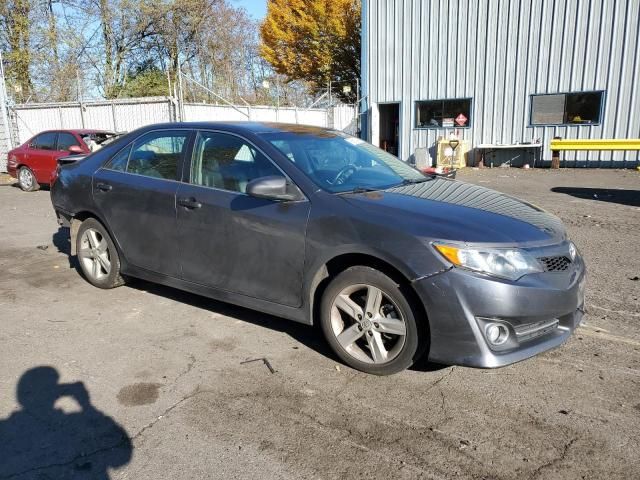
[(97, 255), (373, 343), (27, 180)]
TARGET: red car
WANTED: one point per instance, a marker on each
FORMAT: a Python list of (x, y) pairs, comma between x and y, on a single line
[(34, 162)]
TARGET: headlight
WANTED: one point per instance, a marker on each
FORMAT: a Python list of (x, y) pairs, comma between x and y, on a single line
[(511, 263)]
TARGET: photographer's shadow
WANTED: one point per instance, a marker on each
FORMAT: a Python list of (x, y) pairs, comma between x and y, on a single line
[(41, 441)]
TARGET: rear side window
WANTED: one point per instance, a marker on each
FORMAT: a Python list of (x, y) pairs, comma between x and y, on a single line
[(66, 140), (157, 154), (44, 141)]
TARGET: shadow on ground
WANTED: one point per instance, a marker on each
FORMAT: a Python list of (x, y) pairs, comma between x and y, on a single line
[(310, 336), (41, 441), (611, 195), (61, 241)]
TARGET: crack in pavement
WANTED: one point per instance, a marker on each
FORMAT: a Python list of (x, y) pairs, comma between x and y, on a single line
[(555, 461), (442, 378)]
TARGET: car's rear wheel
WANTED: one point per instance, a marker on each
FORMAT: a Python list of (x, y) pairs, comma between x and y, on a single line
[(27, 180), (97, 255), (370, 323)]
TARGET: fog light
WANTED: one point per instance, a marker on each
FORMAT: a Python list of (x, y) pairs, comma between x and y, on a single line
[(496, 333)]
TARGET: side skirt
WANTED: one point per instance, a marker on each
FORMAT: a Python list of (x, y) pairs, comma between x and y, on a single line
[(297, 314)]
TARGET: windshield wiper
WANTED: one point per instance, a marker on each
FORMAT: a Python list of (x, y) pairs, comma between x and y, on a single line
[(359, 189), (414, 181)]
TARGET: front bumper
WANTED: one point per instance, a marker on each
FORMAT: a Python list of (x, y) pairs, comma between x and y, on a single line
[(540, 312)]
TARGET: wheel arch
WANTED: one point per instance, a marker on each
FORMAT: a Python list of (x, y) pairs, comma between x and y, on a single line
[(78, 218), (339, 263)]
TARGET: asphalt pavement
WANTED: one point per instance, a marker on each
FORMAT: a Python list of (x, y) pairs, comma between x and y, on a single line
[(147, 382)]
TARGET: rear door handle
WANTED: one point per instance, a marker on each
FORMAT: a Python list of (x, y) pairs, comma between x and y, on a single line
[(189, 203), (105, 187)]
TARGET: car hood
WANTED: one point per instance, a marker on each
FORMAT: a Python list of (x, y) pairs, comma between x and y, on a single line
[(446, 209)]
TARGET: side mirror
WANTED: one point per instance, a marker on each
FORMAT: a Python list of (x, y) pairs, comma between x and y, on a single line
[(274, 188), (75, 149)]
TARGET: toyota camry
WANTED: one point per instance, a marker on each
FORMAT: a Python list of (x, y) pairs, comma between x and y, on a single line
[(319, 227)]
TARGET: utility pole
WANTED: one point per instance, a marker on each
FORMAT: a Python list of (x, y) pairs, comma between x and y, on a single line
[(180, 95)]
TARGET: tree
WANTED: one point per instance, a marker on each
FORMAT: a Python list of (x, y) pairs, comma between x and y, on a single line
[(146, 83), (14, 25), (317, 41), (125, 24)]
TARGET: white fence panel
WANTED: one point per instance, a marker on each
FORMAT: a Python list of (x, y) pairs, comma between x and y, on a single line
[(130, 116), (345, 118), (99, 117), (70, 117), (315, 117), (199, 112), (32, 121)]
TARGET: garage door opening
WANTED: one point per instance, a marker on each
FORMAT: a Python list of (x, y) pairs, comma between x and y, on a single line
[(390, 127)]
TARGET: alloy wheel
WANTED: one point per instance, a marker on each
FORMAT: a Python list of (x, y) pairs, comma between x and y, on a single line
[(368, 324), (94, 254), (26, 178)]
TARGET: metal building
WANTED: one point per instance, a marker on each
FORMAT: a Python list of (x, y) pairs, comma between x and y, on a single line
[(501, 72)]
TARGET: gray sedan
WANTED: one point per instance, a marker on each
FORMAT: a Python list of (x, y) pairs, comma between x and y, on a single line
[(323, 228)]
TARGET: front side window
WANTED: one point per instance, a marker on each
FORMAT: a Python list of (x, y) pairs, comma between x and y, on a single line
[(65, 141), (227, 162), (339, 163), (157, 154), (582, 108), (454, 113), (44, 141)]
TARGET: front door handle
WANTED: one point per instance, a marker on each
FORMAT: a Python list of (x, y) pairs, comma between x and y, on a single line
[(105, 187), (190, 203)]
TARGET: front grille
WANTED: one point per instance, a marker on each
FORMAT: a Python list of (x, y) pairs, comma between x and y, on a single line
[(555, 264)]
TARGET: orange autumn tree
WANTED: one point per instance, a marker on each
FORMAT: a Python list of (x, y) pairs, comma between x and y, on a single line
[(315, 41)]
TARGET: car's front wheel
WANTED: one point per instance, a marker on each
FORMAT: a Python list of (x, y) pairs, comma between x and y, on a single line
[(97, 255), (370, 323), (27, 180)]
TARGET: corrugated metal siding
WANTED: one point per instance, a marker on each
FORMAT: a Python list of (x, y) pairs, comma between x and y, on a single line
[(499, 52)]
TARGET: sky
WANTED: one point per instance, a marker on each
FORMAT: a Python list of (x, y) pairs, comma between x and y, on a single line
[(256, 8)]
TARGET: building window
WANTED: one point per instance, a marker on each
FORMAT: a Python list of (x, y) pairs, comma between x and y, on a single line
[(453, 113), (581, 108)]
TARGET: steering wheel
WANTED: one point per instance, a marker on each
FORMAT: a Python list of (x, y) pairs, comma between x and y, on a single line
[(343, 175)]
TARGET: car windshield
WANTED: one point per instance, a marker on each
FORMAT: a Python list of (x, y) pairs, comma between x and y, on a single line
[(339, 163)]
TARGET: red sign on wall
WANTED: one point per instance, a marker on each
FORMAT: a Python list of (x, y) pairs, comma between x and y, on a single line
[(461, 120)]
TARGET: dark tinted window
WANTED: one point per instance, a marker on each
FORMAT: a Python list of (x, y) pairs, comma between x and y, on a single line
[(157, 154), (119, 162), (66, 140), (227, 162), (454, 113), (581, 108), (45, 141)]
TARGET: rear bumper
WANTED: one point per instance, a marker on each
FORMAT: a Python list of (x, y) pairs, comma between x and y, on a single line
[(539, 311)]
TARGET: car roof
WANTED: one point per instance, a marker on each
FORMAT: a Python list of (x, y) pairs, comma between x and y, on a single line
[(79, 131), (254, 127)]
